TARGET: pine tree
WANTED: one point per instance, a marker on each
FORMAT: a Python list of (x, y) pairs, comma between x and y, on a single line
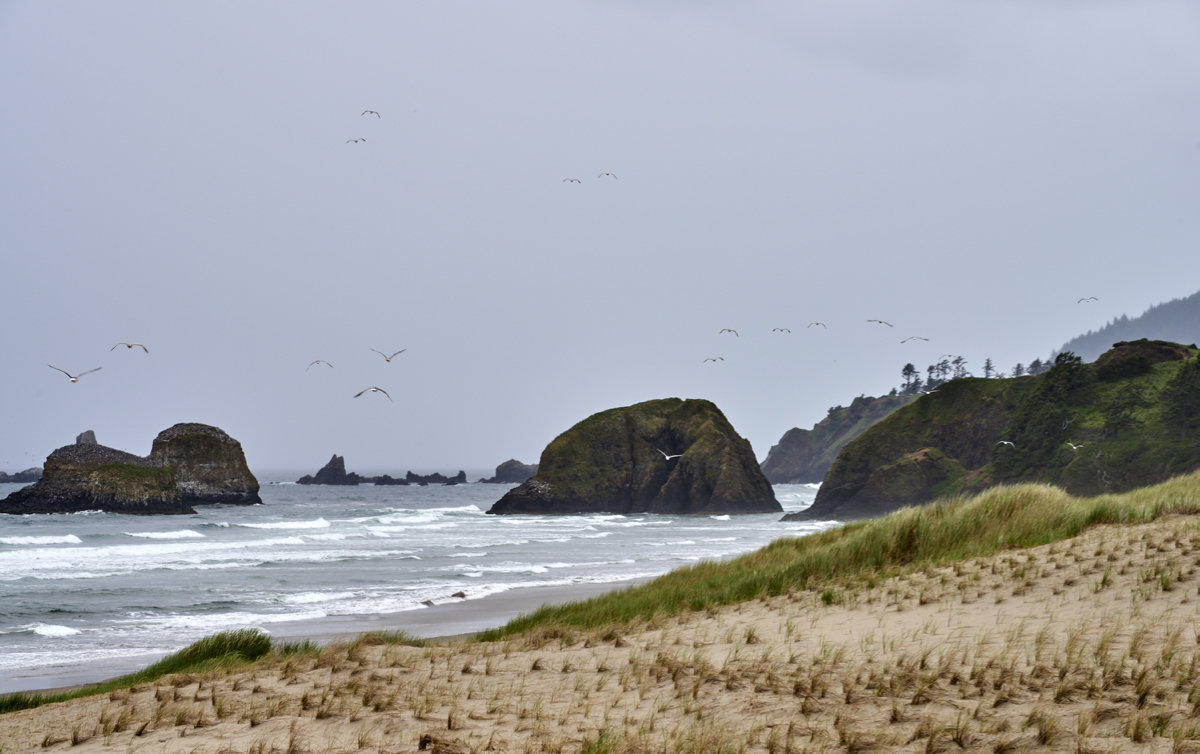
[(989, 370)]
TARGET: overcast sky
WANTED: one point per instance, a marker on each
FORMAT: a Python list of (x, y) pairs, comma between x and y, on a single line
[(179, 175)]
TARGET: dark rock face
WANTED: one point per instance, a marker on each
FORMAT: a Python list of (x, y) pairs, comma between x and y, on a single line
[(333, 472), (512, 471), (804, 455), (21, 477), (612, 462), (190, 464), (86, 437)]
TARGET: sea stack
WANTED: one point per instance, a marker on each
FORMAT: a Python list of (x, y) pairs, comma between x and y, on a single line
[(613, 462), (189, 464)]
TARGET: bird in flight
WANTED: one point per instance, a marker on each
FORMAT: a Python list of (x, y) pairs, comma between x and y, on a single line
[(880, 321), (318, 361), (729, 329), (373, 390), (130, 345), (715, 358), (571, 180), (389, 358), (1087, 299), (74, 377), (1074, 446), (914, 337), (814, 324), (780, 329), (354, 141), (614, 175), (1006, 442), (667, 457), (371, 112)]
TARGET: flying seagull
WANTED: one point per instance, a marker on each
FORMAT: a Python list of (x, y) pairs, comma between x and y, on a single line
[(389, 358), (74, 377), (318, 361), (354, 141), (715, 358), (373, 390), (1006, 442), (371, 112), (914, 337), (1074, 446), (780, 329), (614, 175), (571, 180), (1087, 298), (729, 329), (130, 345), (814, 324), (664, 455), (880, 321)]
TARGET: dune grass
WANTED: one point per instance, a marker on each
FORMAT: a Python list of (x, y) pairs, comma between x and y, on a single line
[(1002, 518), (221, 650)]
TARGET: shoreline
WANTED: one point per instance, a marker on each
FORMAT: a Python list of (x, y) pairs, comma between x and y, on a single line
[(443, 621)]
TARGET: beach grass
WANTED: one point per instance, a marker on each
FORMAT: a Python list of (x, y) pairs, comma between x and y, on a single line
[(912, 538)]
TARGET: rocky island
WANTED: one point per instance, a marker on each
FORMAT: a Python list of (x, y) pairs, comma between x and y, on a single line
[(512, 471), (661, 456), (189, 464), (334, 472), (1130, 419)]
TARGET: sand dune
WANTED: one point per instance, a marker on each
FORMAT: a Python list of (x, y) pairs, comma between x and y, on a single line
[(1083, 645)]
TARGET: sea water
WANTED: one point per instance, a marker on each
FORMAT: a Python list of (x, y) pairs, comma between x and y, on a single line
[(106, 590)]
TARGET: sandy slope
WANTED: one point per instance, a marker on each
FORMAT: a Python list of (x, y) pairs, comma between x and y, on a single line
[(1085, 645)]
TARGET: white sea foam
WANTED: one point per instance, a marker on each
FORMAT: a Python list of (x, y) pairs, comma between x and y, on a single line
[(319, 523), (724, 517), (181, 534), (50, 629), (65, 539)]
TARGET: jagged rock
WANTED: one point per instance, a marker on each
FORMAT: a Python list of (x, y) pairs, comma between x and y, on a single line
[(333, 472), (612, 462), (512, 471), (436, 478), (86, 437), (189, 464)]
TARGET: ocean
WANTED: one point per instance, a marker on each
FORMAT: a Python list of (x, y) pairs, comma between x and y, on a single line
[(87, 596)]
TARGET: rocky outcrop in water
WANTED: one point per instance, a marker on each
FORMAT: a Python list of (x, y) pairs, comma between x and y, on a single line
[(189, 464), (512, 471), (334, 472), (613, 462)]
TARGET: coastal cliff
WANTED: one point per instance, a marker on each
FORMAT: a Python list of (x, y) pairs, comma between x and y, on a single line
[(804, 455), (1130, 419), (189, 464), (613, 462)]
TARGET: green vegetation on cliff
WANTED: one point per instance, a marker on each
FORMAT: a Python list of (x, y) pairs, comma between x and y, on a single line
[(1127, 420)]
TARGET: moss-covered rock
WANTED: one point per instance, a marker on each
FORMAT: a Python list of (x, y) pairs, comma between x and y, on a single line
[(613, 462), (1109, 426), (189, 464)]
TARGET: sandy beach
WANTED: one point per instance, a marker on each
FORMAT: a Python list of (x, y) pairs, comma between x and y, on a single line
[(1083, 645)]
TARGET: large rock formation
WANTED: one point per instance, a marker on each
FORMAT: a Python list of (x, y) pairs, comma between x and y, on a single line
[(1128, 420), (512, 471), (804, 455), (613, 462), (189, 464)]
